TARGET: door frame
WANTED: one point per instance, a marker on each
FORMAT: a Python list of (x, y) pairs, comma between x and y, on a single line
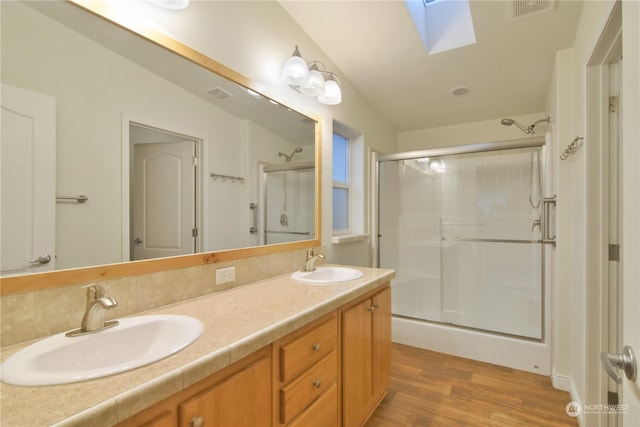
[(127, 159), (607, 51)]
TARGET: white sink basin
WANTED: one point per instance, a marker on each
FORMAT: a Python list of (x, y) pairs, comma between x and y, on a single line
[(135, 342), (328, 275)]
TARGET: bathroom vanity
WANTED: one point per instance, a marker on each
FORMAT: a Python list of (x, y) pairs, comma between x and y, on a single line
[(273, 353)]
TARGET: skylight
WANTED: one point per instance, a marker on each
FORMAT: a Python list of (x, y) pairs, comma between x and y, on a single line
[(442, 24)]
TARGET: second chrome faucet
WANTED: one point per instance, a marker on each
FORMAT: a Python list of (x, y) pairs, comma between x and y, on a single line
[(310, 263)]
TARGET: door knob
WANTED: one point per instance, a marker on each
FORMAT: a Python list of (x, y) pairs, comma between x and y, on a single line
[(625, 361), (42, 259), (137, 241)]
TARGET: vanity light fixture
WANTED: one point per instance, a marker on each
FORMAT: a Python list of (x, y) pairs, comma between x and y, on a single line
[(309, 79)]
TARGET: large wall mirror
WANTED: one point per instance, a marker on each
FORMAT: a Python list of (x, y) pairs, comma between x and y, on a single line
[(125, 153)]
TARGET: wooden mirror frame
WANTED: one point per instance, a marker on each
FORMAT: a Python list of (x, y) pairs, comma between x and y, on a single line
[(55, 279)]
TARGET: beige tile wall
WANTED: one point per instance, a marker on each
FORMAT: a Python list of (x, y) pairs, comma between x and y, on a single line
[(24, 317)]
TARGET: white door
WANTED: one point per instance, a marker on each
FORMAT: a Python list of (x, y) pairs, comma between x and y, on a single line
[(164, 200), (28, 183), (630, 183)]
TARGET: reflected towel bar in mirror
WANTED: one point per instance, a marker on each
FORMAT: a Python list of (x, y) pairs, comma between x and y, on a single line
[(225, 178), (80, 198)]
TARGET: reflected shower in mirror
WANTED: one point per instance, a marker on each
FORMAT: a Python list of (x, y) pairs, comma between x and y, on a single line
[(127, 111)]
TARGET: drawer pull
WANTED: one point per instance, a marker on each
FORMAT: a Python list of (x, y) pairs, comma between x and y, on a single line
[(316, 346), (197, 422), (317, 383)]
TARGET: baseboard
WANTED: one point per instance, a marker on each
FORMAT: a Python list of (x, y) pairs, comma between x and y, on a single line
[(565, 383), (561, 382)]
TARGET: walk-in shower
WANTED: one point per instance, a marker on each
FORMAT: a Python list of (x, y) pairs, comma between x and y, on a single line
[(464, 229)]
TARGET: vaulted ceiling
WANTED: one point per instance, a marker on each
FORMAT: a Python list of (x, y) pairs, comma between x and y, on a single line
[(376, 47)]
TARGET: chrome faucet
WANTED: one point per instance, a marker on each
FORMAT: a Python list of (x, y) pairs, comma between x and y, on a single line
[(94, 314), (310, 263)]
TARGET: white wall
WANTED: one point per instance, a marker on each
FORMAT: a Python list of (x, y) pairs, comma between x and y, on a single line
[(561, 109), (570, 357), (468, 133)]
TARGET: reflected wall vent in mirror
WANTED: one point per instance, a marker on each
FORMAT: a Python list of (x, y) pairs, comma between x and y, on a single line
[(219, 93), (309, 79)]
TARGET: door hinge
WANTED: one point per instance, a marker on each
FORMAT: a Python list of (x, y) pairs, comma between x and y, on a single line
[(195, 160), (613, 104), (614, 252), (194, 232)]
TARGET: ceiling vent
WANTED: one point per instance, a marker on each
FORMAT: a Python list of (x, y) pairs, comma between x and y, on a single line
[(523, 8), (219, 93)]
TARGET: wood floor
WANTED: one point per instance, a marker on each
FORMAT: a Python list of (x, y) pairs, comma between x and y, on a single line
[(434, 389)]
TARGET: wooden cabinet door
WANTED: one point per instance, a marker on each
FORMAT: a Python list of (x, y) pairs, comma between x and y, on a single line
[(242, 400), (356, 363), (381, 342)]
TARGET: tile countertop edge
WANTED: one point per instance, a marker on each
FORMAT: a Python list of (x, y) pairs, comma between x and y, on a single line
[(128, 403)]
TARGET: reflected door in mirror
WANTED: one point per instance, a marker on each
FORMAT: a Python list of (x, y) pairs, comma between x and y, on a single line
[(164, 200), (28, 181)]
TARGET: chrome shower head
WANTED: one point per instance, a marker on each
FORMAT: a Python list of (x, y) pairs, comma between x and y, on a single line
[(509, 122), (287, 158)]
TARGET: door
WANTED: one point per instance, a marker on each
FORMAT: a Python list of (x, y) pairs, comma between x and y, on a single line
[(356, 363), (28, 181), (622, 227), (630, 196), (164, 200), (242, 400)]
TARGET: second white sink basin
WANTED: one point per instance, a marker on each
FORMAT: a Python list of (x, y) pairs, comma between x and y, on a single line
[(135, 342), (328, 275)]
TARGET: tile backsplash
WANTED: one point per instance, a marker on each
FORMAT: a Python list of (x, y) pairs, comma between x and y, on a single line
[(38, 314)]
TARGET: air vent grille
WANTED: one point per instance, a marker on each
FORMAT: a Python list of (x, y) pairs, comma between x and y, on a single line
[(522, 8), (219, 93)]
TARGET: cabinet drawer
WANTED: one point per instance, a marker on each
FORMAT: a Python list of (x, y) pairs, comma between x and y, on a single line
[(323, 412), (308, 349), (297, 395)]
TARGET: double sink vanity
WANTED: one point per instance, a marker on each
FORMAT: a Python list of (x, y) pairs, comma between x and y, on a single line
[(301, 349)]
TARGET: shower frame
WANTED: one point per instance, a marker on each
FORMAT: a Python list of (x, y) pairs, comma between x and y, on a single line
[(531, 142)]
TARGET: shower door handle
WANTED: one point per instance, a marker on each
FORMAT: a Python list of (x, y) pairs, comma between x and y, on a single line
[(546, 220)]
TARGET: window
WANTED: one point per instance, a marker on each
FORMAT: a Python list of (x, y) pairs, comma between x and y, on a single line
[(349, 186), (341, 185)]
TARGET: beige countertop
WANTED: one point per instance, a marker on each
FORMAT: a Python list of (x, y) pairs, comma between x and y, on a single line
[(236, 322)]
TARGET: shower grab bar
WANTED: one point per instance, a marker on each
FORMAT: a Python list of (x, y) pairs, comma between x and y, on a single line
[(470, 239), (546, 220), (302, 233), (254, 227)]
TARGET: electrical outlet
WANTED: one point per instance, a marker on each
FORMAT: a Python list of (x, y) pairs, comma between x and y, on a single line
[(225, 275)]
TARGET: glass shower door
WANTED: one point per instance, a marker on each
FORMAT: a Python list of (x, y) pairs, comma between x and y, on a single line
[(289, 213), (463, 233)]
